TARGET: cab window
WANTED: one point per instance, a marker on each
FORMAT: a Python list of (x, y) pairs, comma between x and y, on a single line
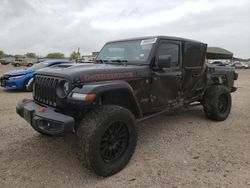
[(195, 55), (167, 48)]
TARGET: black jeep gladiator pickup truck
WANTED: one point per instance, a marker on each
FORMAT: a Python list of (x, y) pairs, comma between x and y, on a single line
[(131, 80)]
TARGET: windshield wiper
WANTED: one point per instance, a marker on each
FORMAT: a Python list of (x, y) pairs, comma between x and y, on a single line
[(124, 62), (115, 61), (101, 61), (98, 61)]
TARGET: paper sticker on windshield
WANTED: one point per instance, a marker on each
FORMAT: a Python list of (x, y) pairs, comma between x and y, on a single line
[(148, 41)]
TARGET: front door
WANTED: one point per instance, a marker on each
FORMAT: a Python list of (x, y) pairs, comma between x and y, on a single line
[(166, 81)]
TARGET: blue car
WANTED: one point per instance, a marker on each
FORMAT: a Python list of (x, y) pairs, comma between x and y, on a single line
[(21, 79)]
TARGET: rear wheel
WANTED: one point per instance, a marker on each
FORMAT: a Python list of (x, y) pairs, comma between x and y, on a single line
[(17, 65), (29, 65), (107, 139), (217, 103)]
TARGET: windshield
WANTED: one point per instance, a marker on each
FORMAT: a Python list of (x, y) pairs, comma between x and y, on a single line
[(38, 66), (135, 50)]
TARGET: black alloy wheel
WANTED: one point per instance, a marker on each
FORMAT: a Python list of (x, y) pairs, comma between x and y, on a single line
[(217, 102), (222, 103), (107, 139), (114, 142)]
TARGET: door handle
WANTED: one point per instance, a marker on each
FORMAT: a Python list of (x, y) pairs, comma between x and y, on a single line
[(195, 75), (177, 76)]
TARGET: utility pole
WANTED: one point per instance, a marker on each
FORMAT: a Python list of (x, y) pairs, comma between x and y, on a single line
[(78, 55)]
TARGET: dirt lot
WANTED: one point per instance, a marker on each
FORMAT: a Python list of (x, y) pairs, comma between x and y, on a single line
[(179, 150)]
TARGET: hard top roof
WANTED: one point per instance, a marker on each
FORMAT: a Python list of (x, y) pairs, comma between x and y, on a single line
[(160, 37)]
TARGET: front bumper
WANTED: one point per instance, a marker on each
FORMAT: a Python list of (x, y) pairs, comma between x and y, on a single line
[(47, 121), (2, 81), (15, 84)]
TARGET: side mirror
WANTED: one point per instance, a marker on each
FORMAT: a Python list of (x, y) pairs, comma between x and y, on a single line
[(164, 61)]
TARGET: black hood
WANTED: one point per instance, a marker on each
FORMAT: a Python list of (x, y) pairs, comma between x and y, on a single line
[(88, 72)]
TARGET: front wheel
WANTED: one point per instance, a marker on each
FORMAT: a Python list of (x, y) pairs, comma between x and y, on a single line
[(217, 103), (107, 139)]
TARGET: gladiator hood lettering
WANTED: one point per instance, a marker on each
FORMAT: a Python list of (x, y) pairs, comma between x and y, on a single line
[(108, 76), (97, 72)]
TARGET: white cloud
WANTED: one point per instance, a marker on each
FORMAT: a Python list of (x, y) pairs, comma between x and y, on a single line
[(155, 18), (43, 26)]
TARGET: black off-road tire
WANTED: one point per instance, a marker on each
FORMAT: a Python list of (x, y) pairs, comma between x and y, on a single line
[(95, 133), (217, 103)]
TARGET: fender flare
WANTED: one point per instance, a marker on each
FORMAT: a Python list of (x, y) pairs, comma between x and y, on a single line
[(104, 86)]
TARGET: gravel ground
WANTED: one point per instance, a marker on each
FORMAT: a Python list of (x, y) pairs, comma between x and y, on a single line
[(183, 149)]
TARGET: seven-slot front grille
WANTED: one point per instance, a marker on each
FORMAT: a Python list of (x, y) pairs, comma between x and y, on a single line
[(45, 89)]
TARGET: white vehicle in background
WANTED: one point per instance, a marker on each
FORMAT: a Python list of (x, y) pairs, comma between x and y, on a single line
[(221, 63), (241, 65), (246, 65)]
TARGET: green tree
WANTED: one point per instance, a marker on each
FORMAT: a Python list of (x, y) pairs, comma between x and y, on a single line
[(1, 53), (55, 55), (75, 56), (30, 55)]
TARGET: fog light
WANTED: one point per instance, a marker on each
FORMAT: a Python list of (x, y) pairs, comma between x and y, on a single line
[(43, 125), (50, 126)]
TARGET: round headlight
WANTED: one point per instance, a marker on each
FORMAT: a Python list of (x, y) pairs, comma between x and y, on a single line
[(62, 89), (66, 87)]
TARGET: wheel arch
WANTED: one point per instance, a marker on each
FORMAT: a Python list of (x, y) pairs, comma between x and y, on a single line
[(219, 80), (121, 97), (113, 93)]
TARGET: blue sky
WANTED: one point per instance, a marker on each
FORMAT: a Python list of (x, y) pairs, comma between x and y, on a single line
[(44, 26)]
